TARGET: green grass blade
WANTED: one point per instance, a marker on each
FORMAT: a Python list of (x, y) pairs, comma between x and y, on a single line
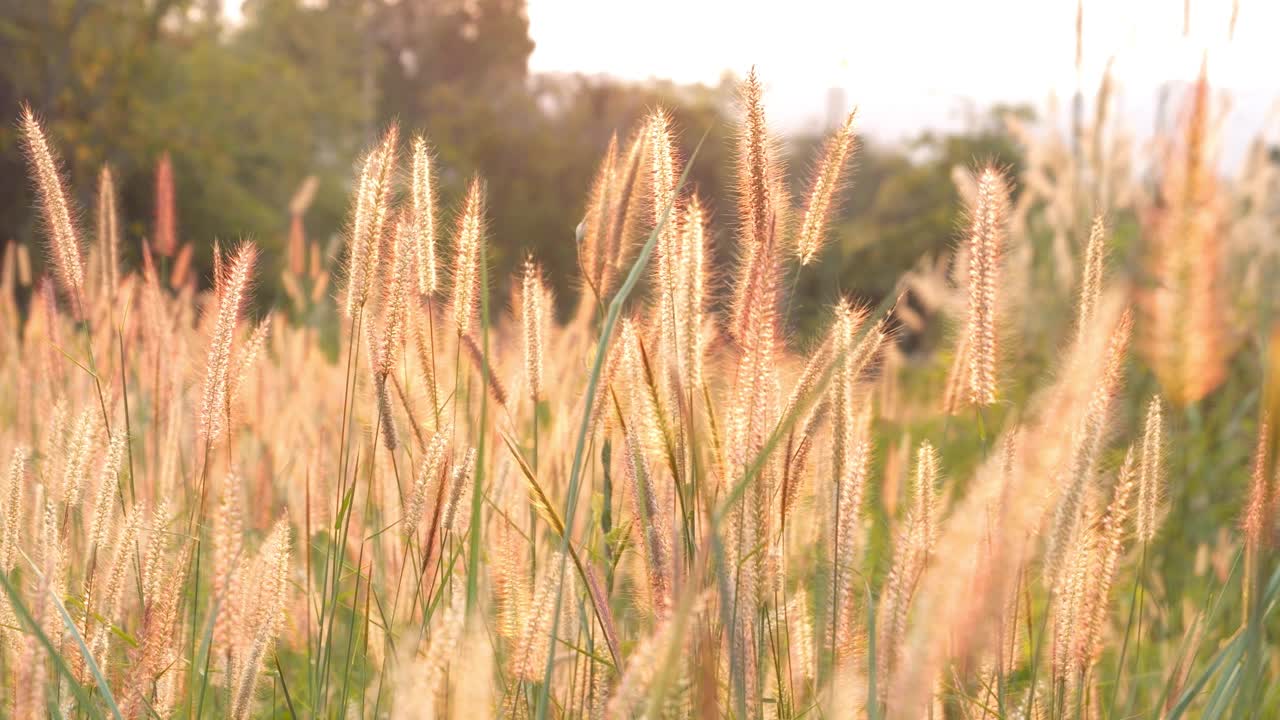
[(24, 615), (593, 384), (70, 624), (477, 479)]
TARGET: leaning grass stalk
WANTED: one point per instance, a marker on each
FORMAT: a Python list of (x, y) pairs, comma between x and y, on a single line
[(477, 490), (575, 473)]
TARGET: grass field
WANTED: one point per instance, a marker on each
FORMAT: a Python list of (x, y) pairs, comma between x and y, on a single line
[(399, 495)]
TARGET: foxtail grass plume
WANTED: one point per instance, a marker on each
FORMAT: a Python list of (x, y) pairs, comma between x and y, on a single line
[(1259, 519), (108, 232), (101, 526), (912, 546), (924, 512), (466, 263), (755, 293), (232, 291), (597, 225), (424, 216), (1185, 338), (1076, 476), (645, 418), (178, 276), (112, 589), (849, 461), (985, 249), (819, 362), (615, 211), (373, 208), (64, 243), (228, 543), (161, 573), (825, 189), (451, 520), (627, 213), (79, 451), (512, 587), (1109, 537), (662, 187), (424, 344), (247, 358), (166, 224), (1095, 257), (691, 292), (154, 565), (533, 319), (1151, 472), (427, 483), (1069, 600), (51, 558), (651, 525), (531, 651), (756, 329), (395, 299), (802, 649), (265, 618), (851, 490), (11, 512), (386, 420)]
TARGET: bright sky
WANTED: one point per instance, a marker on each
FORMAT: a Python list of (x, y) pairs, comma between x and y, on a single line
[(913, 64), (907, 63)]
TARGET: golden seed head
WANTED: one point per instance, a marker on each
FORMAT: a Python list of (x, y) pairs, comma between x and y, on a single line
[(427, 483), (985, 246), (102, 524), (368, 226), (533, 318), (231, 294), (924, 512), (11, 512), (1258, 521), (64, 242), (424, 217), (691, 292), (755, 296), (466, 264), (597, 225), (1151, 472), (395, 299), (824, 190), (453, 517), (1091, 280)]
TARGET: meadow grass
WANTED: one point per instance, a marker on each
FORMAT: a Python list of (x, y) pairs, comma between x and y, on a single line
[(666, 506)]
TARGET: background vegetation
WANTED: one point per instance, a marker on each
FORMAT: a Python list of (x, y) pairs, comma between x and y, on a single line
[(297, 89), (273, 128)]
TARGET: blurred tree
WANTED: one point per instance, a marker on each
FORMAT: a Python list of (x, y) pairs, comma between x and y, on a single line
[(84, 65), (246, 114), (457, 70), (249, 107), (480, 45)]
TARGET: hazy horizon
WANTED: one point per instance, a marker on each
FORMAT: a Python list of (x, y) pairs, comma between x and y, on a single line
[(1143, 39), (816, 47)]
